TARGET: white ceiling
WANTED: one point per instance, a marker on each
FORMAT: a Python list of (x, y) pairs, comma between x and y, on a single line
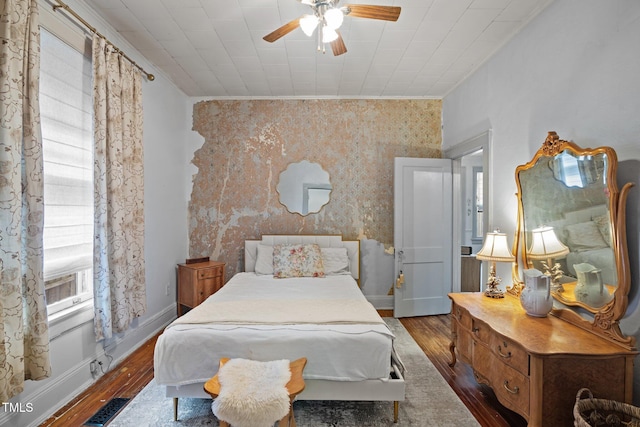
[(214, 48)]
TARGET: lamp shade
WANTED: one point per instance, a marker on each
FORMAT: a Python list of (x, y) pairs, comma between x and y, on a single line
[(328, 34), (333, 18), (308, 23), (545, 244), (495, 248)]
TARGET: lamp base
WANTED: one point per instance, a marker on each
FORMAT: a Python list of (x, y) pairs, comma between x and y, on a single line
[(556, 287), (493, 293), (492, 290)]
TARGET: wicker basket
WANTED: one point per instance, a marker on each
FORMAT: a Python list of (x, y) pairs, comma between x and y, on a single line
[(592, 412)]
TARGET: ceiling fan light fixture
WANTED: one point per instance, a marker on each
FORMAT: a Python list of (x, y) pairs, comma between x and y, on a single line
[(327, 17), (328, 34), (334, 18), (308, 23)]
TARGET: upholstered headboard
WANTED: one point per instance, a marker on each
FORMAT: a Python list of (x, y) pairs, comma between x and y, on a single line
[(584, 215), (324, 241)]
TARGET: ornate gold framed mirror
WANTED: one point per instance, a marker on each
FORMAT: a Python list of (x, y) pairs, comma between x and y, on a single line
[(571, 225)]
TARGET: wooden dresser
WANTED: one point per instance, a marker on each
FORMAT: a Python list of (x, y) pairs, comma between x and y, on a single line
[(198, 281), (536, 366)]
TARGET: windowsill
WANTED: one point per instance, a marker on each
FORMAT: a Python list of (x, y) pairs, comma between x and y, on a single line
[(70, 318)]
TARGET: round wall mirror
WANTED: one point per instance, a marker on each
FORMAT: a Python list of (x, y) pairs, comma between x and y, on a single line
[(304, 188)]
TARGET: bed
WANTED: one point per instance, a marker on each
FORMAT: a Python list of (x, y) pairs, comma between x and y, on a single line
[(587, 234), (258, 316)]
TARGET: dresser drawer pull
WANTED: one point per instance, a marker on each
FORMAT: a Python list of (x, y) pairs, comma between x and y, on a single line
[(459, 314), (475, 331), (503, 355), (514, 390)]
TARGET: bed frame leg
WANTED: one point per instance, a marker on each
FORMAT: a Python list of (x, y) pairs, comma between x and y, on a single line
[(395, 411), (175, 409)]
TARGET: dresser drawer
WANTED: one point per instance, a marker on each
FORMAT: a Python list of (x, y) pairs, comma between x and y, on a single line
[(207, 273), (509, 385), (511, 388), (465, 343), (482, 360), (510, 353), (481, 331), (462, 316)]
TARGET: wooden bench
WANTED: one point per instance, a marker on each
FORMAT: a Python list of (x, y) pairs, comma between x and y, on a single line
[(295, 386)]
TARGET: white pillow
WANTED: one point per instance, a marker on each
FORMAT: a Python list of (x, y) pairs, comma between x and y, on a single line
[(335, 260), (584, 236), (264, 260)]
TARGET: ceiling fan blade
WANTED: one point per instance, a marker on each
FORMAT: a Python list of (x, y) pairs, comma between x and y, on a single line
[(282, 31), (386, 13), (338, 45)]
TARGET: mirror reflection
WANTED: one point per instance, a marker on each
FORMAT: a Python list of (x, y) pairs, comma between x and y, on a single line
[(572, 225), (304, 187), (577, 171), (567, 226)]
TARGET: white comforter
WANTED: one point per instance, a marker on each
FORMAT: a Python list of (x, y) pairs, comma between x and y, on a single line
[(353, 348)]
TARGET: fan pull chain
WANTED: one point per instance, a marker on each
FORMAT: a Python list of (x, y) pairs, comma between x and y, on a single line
[(320, 44)]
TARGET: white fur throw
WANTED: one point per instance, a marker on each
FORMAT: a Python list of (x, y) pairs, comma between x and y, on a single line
[(252, 393)]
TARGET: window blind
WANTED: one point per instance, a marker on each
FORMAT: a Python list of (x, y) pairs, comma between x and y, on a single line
[(66, 117)]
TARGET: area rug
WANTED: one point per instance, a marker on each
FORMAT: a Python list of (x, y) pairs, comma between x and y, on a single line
[(429, 401)]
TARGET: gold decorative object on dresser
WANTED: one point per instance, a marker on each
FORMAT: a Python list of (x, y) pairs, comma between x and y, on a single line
[(197, 281), (536, 365)]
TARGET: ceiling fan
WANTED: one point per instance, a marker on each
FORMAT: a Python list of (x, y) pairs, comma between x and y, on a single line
[(328, 17)]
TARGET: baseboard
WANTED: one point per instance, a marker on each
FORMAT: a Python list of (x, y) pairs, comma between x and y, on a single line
[(75, 378), (381, 302)]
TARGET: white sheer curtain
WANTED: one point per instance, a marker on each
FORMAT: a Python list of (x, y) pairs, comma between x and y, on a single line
[(24, 351), (119, 274)]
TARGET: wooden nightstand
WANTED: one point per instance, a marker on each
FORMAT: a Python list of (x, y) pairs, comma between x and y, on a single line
[(197, 281)]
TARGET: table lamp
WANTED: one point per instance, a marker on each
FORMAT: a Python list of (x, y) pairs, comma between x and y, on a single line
[(546, 246), (495, 249)]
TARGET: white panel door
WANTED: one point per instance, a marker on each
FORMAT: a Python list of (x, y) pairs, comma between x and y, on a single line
[(423, 228)]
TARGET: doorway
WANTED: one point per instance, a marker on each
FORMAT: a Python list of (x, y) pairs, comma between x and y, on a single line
[(471, 203)]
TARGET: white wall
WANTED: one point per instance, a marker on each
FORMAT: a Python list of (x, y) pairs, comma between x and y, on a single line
[(574, 69), (167, 122)]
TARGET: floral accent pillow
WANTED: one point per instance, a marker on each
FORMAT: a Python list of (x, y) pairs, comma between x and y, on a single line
[(297, 261)]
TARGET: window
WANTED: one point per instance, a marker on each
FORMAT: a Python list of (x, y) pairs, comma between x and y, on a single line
[(67, 138), (577, 171), (478, 203)]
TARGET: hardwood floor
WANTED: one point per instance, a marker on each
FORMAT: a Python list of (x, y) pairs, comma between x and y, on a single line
[(124, 380), (431, 333)]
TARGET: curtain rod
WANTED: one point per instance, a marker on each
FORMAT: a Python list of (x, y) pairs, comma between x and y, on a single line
[(62, 5)]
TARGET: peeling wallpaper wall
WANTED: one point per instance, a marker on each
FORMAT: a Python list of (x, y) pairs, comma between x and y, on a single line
[(249, 143)]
